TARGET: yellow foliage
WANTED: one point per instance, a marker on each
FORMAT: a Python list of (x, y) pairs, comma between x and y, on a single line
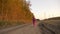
[(15, 10)]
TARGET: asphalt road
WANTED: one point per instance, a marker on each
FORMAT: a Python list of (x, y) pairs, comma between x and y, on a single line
[(29, 29)]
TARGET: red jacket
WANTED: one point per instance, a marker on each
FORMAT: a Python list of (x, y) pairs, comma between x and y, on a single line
[(34, 21)]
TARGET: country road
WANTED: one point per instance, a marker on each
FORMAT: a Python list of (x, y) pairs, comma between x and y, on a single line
[(29, 29)]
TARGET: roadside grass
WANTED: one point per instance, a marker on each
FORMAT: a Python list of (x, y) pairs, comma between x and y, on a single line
[(6, 24), (52, 21)]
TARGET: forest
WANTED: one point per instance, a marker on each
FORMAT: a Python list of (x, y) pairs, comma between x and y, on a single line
[(14, 12)]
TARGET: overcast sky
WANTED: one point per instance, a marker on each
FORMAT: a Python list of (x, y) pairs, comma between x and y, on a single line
[(43, 9)]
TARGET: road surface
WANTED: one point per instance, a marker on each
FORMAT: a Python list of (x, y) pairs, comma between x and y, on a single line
[(29, 29)]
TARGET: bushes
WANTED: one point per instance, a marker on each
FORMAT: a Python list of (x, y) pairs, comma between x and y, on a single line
[(2, 23)]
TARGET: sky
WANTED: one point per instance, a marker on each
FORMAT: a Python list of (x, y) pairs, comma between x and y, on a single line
[(43, 9)]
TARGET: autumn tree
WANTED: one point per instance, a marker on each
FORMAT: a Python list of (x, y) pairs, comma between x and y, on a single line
[(15, 10)]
